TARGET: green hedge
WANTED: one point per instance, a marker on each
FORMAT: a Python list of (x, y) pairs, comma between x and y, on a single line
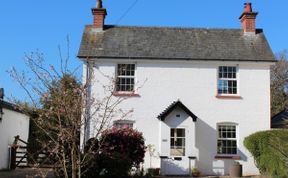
[(270, 151)]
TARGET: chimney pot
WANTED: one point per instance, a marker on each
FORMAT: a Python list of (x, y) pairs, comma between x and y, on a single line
[(2, 93), (99, 4), (248, 7)]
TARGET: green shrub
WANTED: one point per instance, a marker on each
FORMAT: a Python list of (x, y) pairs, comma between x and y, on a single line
[(270, 151)]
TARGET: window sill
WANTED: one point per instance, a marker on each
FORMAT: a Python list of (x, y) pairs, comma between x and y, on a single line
[(164, 157), (126, 94), (192, 157), (228, 97), (228, 157)]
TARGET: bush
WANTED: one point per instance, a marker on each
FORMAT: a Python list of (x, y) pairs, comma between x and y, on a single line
[(116, 152), (269, 149)]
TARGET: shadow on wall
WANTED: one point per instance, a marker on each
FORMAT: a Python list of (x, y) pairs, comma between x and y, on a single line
[(171, 167), (206, 143)]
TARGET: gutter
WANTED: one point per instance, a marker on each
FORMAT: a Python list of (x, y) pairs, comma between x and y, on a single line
[(172, 59)]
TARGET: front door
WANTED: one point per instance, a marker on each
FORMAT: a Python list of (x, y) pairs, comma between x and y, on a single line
[(177, 142), (178, 162)]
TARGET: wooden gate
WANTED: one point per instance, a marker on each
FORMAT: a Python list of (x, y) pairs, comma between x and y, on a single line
[(20, 157)]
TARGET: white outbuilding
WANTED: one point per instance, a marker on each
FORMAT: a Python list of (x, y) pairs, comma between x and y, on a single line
[(13, 122)]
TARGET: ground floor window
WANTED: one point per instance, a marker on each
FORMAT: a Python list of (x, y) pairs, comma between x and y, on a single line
[(177, 142), (227, 139), (120, 124)]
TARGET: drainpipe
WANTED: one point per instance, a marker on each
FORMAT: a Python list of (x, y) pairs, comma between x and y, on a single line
[(87, 117), (1, 99)]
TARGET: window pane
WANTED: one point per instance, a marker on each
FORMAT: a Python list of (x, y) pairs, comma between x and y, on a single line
[(222, 86), (220, 75), (180, 133), (129, 72), (172, 132), (230, 75), (229, 143), (132, 73), (230, 69), (234, 91), (220, 69), (172, 142), (229, 135), (180, 142), (234, 83)]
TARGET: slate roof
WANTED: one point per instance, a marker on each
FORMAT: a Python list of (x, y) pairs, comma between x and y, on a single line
[(172, 107), (174, 44), (280, 120), (9, 106)]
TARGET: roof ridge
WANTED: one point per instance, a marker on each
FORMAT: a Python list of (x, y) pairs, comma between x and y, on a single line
[(167, 27)]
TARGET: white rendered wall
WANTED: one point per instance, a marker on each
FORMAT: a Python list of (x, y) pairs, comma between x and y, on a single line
[(160, 83), (12, 124)]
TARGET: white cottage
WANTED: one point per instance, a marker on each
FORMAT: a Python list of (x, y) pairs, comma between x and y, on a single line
[(195, 93), (13, 122)]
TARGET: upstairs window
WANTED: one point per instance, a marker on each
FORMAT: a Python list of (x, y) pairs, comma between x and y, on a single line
[(125, 79), (227, 80), (227, 140)]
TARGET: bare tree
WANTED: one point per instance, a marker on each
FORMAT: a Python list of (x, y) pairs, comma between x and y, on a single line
[(279, 83), (62, 106)]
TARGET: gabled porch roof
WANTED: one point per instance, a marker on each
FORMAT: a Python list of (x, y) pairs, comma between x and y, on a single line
[(172, 107)]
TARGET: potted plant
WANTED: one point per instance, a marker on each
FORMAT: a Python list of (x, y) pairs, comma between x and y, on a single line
[(195, 172)]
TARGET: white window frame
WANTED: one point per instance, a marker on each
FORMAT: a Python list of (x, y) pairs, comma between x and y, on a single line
[(228, 79), (120, 124), (227, 124), (117, 88), (175, 138)]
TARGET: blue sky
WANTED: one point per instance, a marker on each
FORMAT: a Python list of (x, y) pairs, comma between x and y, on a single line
[(44, 25)]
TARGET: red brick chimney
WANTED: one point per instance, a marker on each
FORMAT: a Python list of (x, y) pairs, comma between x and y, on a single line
[(99, 14), (248, 18)]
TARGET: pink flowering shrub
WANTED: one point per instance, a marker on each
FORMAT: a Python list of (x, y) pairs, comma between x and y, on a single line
[(126, 142), (118, 150)]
